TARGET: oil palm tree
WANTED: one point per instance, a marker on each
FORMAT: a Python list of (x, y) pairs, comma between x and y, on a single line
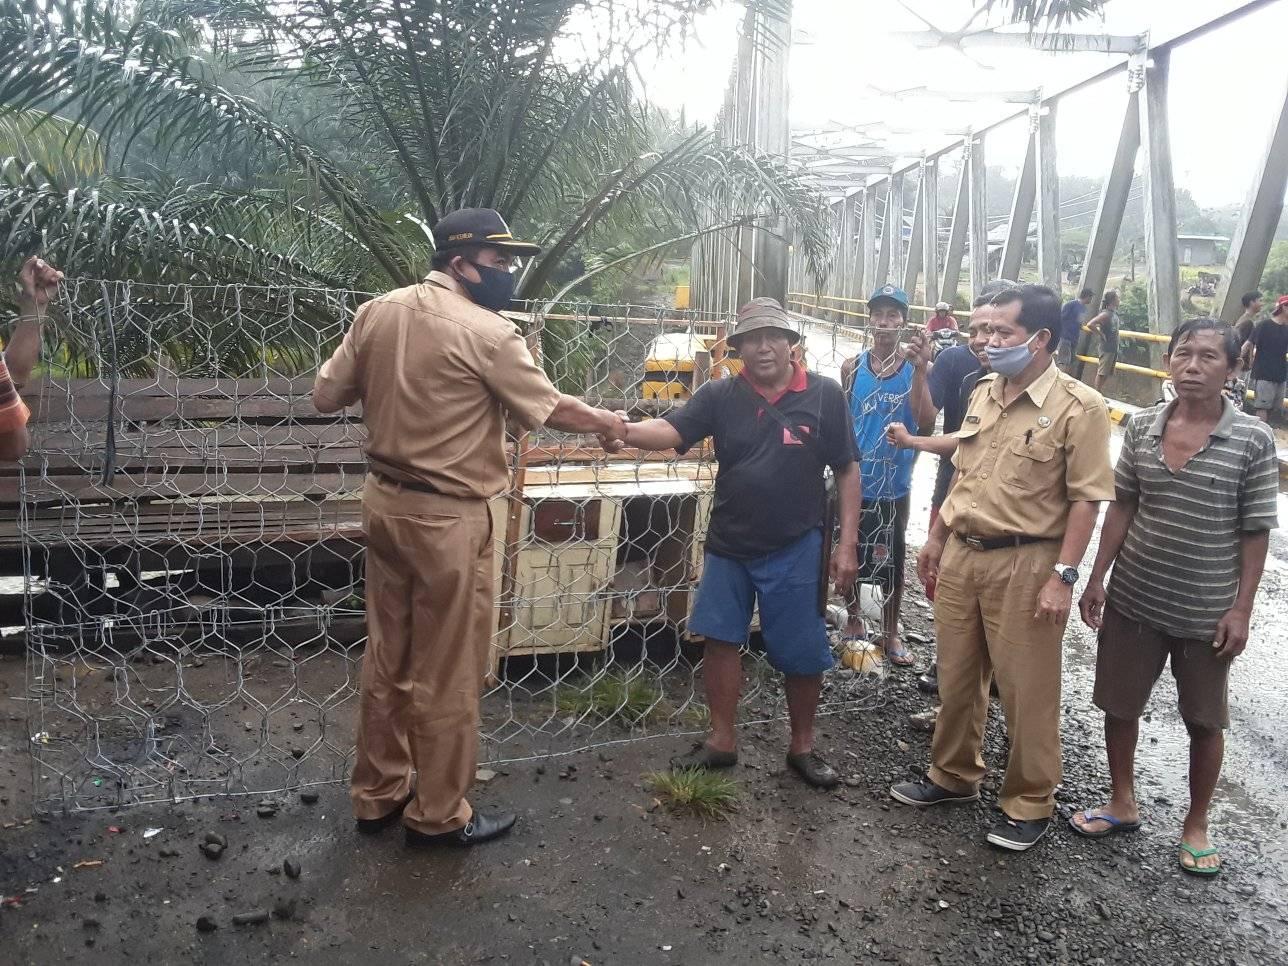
[(438, 104)]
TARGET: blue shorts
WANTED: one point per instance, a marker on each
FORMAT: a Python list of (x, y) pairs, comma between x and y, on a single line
[(785, 585)]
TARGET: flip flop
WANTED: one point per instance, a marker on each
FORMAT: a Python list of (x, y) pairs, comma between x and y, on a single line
[(1197, 854), (900, 658), (1116, 825)]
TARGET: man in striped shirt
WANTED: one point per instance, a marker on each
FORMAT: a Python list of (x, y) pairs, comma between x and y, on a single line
[(37, 285), (1197, 485)]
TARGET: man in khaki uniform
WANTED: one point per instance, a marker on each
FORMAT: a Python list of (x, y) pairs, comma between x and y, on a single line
[(1032, 469), (435, 367)]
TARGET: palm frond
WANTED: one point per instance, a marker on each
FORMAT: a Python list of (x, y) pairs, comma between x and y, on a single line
[(1052, 14)]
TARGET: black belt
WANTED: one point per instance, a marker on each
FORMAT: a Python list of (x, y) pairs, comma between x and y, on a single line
[(416, 485), (997, 543)]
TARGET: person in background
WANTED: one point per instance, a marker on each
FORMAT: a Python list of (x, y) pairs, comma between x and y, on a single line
[(1071, 315), (1032, 467), (436, 367), (952, 380), (942, 319), (37, 286), (1106, 325), (886, 384), (765, 539), (1197, 490), (1252, 302), (1266, 355)]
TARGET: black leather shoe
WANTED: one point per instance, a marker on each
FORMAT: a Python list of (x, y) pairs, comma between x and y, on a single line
[(482, 827), (370, 826), (929, 682)]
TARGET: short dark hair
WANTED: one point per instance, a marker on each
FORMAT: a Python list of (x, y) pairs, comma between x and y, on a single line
[(1039, 309), (1112, 295), (1087, 293), (441, 258), (982, 301), (1249, 297), (1229, 337), (995, 286)]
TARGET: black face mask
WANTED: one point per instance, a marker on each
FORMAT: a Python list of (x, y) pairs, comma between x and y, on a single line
[(494, 290)]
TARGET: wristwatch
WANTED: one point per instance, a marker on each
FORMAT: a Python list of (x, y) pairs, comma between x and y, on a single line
[(1067, 574)]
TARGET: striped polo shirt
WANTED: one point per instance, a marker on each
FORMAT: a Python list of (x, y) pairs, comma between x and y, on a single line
[(1178, 570)]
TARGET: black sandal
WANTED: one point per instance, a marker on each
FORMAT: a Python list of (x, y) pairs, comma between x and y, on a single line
[(702, 756)]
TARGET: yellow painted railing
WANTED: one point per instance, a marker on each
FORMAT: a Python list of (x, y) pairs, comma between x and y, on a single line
[(809, 300)]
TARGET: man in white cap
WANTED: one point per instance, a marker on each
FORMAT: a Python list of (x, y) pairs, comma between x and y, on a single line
[(942, 319), (777, 428)]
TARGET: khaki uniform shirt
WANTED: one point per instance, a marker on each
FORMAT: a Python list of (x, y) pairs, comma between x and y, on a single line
[(1022, 465), (434, 373)]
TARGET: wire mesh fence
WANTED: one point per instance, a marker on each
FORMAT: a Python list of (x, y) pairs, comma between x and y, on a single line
[(183, 546)]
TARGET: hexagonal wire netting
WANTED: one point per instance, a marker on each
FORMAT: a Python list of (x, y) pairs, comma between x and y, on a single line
[(184, 544)]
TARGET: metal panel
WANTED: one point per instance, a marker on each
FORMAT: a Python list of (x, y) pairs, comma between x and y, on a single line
[(912, 264), (930, 228), (957, 235), (978, 215), (1258, 221), (1161, 262), (1017, 229), (1113, 203), (1049, 254)]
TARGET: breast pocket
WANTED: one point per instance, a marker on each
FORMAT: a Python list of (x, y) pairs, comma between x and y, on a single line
[(1028, 465)]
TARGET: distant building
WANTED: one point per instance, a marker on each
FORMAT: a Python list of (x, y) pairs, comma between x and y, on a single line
[(1200, 249)]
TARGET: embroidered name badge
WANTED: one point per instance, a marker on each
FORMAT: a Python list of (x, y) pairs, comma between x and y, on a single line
[(972, 419), (790, 440)]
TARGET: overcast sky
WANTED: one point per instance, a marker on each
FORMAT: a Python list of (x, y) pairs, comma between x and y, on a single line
[(1225, 87)]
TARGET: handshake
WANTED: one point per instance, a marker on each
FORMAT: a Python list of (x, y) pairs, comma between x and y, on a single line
[(613, 435)]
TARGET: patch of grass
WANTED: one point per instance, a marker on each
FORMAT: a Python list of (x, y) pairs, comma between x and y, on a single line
[(615, 697), (697, 715), (695, 791)]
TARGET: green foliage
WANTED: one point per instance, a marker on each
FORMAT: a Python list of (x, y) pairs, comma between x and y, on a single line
[(1274, 279), (337, 133), (615, 696), (1134, 307), (455, 104), (695, 791)]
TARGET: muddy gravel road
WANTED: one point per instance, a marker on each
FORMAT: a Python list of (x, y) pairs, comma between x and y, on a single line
[(597, 872)]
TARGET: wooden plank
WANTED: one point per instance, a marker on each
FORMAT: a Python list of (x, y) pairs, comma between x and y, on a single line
[(157, 486)]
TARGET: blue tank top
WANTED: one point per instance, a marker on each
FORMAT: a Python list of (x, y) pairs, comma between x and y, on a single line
[(874, 405)]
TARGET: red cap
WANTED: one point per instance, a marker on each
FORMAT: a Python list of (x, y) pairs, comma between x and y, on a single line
[(1279, 305)]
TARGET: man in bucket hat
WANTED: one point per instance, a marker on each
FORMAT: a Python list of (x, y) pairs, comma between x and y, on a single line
[(777, 428)]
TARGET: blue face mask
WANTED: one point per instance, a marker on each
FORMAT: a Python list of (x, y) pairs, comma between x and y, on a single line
[(1010, 361)]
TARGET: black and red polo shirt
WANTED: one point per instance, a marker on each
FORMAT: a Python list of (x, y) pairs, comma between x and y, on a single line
[(769, 487)]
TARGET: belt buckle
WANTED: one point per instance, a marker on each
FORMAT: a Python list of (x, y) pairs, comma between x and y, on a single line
[(975, 543)]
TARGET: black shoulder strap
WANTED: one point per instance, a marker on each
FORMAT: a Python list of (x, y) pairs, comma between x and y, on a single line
[(805, 439)]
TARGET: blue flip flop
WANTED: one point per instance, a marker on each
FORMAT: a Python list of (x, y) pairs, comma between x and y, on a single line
[(1116, 825)]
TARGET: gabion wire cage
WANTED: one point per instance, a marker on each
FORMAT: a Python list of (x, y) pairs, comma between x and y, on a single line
[(184, 549)]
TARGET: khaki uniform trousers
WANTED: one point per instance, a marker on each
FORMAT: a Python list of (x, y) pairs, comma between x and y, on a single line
[(429, 627), (984, 627)]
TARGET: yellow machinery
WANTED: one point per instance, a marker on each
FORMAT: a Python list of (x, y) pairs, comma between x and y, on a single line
[(672, 360)]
